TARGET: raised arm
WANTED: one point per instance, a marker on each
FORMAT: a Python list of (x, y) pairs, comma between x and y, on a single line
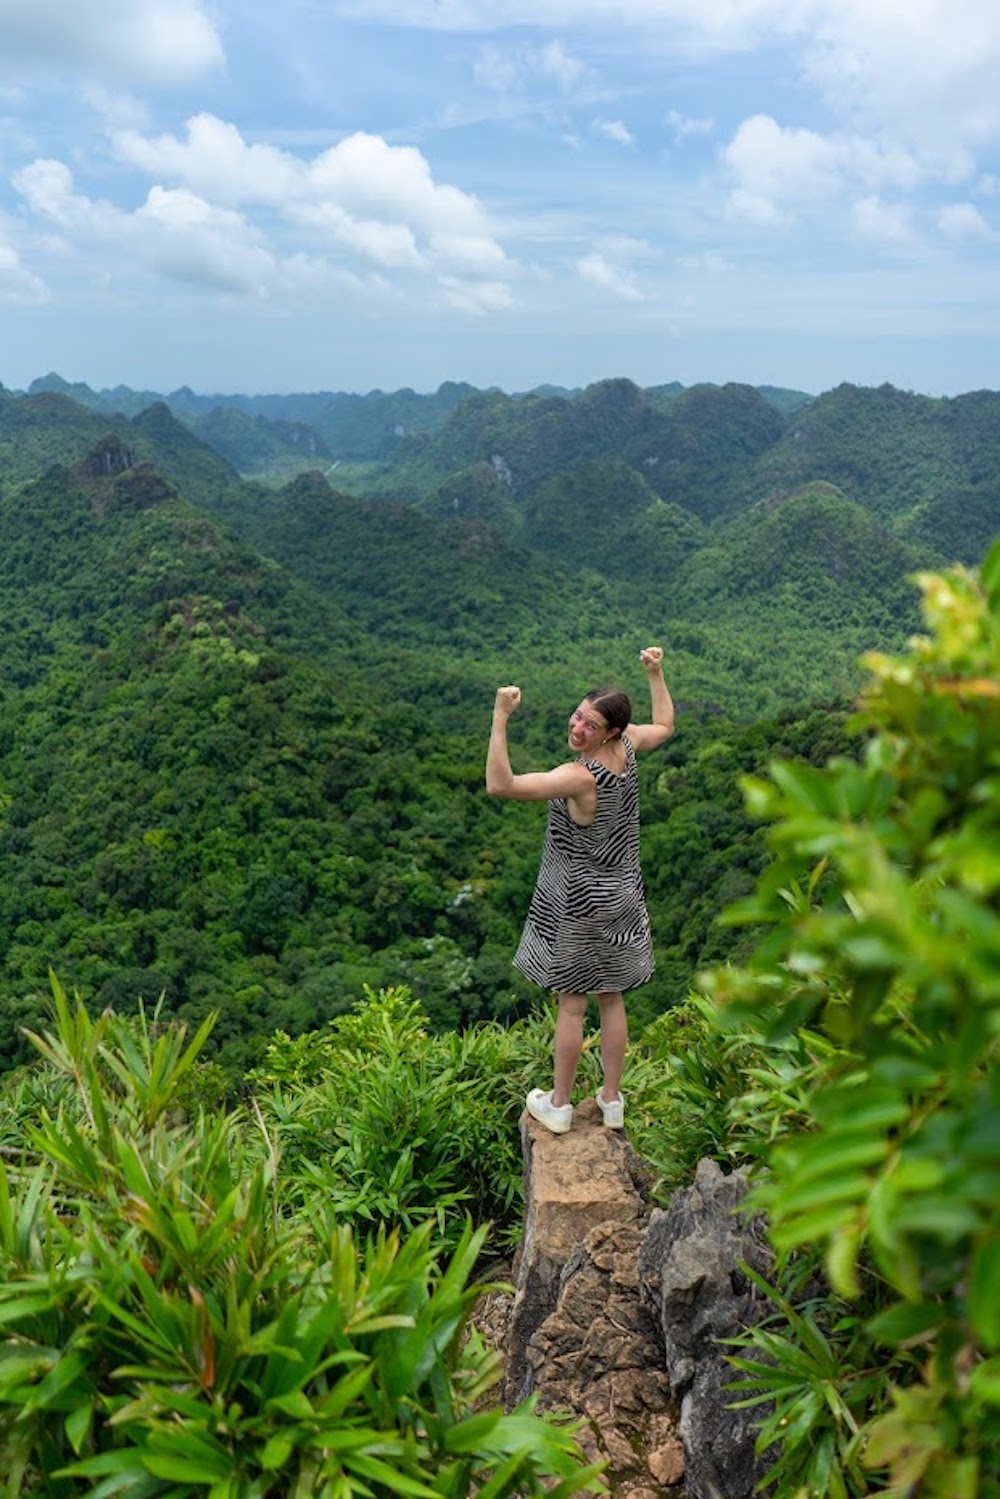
[(572, 781), (649, 736)]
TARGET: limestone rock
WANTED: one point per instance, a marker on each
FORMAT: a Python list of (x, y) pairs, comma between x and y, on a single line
[(572, 1183), (580, 1335), (619, 1313), (690, 1278), (107, 457)]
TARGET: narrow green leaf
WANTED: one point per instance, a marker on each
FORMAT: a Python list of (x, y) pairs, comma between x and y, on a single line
[(984, 1292), (78, 1424), (823, 1191), (186, 1469)]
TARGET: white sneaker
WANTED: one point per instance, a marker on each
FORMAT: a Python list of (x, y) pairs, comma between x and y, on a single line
[(613, 1112), (557, 1118)]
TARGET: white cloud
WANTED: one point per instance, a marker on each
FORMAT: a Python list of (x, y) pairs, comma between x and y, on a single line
[(775, 167), (17, 283), (509, 72), (498, 71), (363, 196), (190, 240), (724, 20), (152, 41), (926, 70), (476, 296), (213, 159), (929, 67), (683, 125), (175, 232), (474, 255), (47, 188), (614, 130), (753, 207), (316, 275), (963, 221), (368, 177), (708, 260), (389, 246), (553, 61), (627, 247), (891, 223), (779, 171), (361, 199), (598, 270), (118, 110)]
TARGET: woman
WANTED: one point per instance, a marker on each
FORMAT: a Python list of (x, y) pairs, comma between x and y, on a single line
[(587, 930)]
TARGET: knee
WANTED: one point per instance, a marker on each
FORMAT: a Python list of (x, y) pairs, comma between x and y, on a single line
[(573, 1004)]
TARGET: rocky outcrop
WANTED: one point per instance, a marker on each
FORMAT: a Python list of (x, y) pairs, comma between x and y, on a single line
[(107, 458), (572, 1183), (116, 479), (580, 1334), (689, 1271), (618, 1311)]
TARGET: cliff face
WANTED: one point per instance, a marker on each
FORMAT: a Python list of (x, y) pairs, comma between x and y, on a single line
[(618, 1311)]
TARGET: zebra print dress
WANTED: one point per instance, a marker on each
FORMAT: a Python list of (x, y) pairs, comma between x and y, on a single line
[(587, 929)]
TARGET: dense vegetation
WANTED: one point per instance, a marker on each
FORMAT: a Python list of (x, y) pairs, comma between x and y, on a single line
[(241, 743), (192, 1304), (878, 1119), (242, 727), (188, 1311)]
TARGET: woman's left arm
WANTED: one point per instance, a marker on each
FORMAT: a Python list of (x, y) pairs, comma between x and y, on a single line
[(649, 736)]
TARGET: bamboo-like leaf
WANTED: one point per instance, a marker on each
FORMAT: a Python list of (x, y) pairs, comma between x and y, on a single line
[(984, 1292), (277, 1450)]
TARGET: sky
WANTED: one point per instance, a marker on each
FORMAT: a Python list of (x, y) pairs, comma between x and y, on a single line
[(267, 196)]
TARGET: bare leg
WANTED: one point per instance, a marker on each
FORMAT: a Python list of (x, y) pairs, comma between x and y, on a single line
[(614, 1040), (569, 1045)]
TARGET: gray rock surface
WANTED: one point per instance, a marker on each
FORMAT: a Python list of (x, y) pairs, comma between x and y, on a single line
[(690, 1276), (619, 1312)]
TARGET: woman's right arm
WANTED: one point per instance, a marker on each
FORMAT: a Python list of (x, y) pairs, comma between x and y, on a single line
[(571, 780)]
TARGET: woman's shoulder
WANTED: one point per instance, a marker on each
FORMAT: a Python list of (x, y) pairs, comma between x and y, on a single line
[(607, 773)]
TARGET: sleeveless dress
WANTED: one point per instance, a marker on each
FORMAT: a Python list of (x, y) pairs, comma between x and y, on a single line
[(587, 928)]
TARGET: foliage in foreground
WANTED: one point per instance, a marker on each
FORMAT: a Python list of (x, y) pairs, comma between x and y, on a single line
[(875, 996), (175, 1323)]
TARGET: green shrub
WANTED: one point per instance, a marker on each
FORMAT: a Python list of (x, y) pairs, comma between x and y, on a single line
[(176, 1323), (698, 1087), (883, 912), (395, 1124)]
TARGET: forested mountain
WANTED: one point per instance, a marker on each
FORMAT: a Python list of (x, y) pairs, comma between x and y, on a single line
[(927, 470), (242, 726), (38, 431)]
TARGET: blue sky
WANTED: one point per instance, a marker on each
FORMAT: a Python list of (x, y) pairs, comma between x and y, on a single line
[(356, 194)]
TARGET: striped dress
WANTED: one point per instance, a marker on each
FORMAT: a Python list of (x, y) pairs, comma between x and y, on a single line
[(587, 928)]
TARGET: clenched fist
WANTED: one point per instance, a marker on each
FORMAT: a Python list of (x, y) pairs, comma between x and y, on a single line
[(508, 700)]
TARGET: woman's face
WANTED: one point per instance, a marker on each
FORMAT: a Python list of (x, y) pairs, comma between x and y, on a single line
[(587, 729)]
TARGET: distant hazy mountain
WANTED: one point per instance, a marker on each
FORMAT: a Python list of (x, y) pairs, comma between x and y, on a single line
[(346, 426)]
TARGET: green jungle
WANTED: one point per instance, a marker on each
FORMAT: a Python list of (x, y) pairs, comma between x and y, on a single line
[(263, 1049)]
